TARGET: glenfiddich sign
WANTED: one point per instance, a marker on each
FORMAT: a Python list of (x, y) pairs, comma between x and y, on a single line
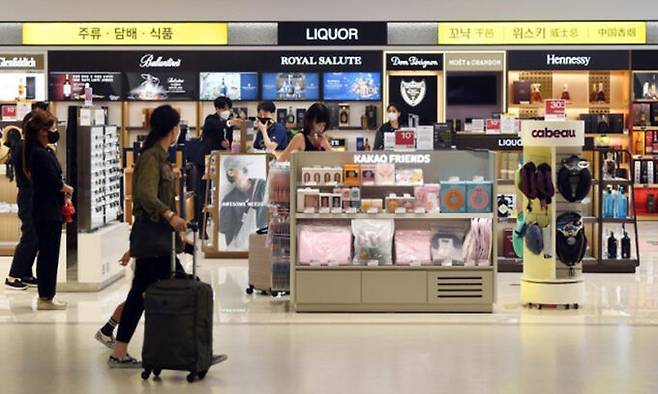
[(332, 33), (414, 61), (21, 62)]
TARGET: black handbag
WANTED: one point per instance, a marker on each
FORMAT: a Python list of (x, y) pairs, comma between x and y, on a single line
[(150, 239)]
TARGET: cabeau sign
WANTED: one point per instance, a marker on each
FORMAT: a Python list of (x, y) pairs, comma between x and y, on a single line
[(539, 133), (332, 33)]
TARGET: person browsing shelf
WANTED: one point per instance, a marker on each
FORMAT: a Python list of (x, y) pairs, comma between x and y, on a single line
[(313, 136), (392, 124), (48, 199), (218, 127), (271, 135)]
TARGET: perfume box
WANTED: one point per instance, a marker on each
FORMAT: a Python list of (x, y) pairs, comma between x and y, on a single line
[(385, 174), (368, 204), (351, 175), (508, 247), (521, 91), (325, 201), (336, 201), (409, 176), (453, 197), (300, 118), (316, 175), (355, 194), (478, 196), (336, 175), (307, 175), (368, 174), (427, 197), (281, 115)]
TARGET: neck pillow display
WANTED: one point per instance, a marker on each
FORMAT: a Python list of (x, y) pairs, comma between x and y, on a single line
[(574, 179), (534, 238), (571, 240), (536, 182)]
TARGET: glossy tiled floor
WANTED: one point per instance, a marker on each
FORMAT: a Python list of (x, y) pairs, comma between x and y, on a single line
[(609, 346)]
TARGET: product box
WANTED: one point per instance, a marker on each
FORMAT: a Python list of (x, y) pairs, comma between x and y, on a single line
[(442, 134), (336, 201), (385, 174), (521, 91), (368, 174), (477, 125), (308, 199), (393, 202), (315, 175), (427, 197), (409, 176), (508, 247), (337, 175), (351, 175), (368, 204), (478, 196), (492, 126), (453, 196)]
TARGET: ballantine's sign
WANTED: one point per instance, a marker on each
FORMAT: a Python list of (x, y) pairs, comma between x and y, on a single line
[(393, 158), (149, 60), (321, 60), (552, 59)]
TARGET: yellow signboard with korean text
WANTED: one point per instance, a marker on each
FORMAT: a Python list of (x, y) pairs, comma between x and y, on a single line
[(124, 33), (541, 33)]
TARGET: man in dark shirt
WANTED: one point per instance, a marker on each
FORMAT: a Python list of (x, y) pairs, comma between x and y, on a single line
[(271, 135)]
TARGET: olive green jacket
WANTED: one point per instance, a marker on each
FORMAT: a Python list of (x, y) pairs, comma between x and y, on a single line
[(154, 186)]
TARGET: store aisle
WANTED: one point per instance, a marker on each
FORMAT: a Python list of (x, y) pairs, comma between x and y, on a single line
[(274, 350)]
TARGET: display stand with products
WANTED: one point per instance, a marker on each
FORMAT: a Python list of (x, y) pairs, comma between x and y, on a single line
[(95, 240), (553, 236), (236, 202), (392, 231), (10, 224)]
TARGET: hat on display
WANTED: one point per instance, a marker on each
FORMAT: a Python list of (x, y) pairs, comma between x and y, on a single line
[(574, 179), (571, 242), (518, 234), (534, 238)]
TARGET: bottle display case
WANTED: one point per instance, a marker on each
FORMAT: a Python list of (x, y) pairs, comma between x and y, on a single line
[(410, 238)]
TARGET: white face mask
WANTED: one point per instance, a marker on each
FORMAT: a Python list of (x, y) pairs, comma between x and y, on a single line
[(392, 116), (225, 114)]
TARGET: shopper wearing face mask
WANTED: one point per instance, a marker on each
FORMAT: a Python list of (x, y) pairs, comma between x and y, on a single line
[(154, 208), (313, 137), (49, 194), (271, 135), (392, 124)]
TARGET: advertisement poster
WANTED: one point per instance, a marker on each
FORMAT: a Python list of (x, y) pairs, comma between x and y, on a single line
[(243, 209), (154, 86), (416, 95), (352, 86), (236, 86), (645, 86), (105, 86), (291, 86), (22, 86)]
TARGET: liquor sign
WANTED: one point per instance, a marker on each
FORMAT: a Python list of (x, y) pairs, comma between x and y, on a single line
[(124, 33), (586, 60), (414, 61), (542, 33), (332, 33), (555, 109), (17, 61)]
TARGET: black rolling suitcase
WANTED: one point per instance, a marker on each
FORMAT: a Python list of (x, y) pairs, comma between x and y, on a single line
[(179, 321)]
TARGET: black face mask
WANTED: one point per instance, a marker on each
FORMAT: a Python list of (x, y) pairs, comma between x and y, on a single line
[(230, 178), (53, 137), (263, 120)]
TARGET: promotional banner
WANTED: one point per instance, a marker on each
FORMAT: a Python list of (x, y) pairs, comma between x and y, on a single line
[(352, 86), (161, 85), (22, 86), (290, 86), (236, 86), (106, 86)]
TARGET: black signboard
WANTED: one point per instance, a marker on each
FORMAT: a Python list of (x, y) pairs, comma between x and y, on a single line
[(161, 85), (65, 86), (414, 61), (332, 33), (416, 95), (499, 142), (215, 61), (644, 60), (568, 60)]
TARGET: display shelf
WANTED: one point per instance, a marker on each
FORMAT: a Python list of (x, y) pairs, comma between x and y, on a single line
[(646, 185), (384, 215), (586, 219), (617, 220), (645, 128), (505, 182), (395, 267), (617, 182)]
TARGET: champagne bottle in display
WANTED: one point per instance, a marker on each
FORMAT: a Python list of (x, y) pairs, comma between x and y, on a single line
[(612, 246), (626, 246), (66, 88)]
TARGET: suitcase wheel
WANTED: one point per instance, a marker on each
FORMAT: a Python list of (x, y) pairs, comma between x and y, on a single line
[(191, 377), (146, 373), (202, 374), (250, 289), (156, 372)]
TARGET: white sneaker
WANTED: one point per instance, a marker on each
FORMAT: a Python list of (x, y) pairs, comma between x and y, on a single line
[(52, 304)]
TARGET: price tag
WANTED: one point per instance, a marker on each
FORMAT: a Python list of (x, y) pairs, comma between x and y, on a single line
[(351, 210), (419, 210), (400, 210), (373, 211), (333, 264), (555, 109), (309, 210), (325, 210), (415, 263), (336, 210), (315, 264), (373, 263)]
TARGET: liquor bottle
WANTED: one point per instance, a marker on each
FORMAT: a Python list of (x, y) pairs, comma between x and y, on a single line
[(536, 93), (626, 246), (344, 117), (621, 204), (592, 94), (235, 144), (290, 119), (648, 146), (565, 93), (367, 146), (600, 94), (290, 88), (66, 88), (222, 88), (608, 203), (612, 246)]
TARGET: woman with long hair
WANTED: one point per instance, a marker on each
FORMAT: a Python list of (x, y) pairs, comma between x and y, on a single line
[(41, 167), (154, 209), (313, 137)]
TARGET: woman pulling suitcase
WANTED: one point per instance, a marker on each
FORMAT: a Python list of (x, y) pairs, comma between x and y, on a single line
[(154, 209)]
